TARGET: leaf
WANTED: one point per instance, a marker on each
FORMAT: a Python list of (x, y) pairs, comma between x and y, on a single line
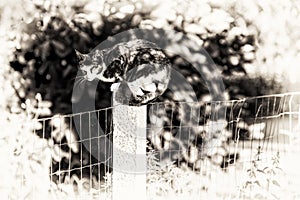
[(257, 127), (37, 125), (248, 183), (259, 196), (60, 48), (71, 140), (56, 153), (45, 50), (43, 68), (261, 171), (275, 183), (58, 45), (68, 71), (45, 104), (257, 183), (265, 168), (279, 168)]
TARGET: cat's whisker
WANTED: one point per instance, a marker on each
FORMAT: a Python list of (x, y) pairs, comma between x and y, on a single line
[(76, 77), (80, 82), (149, 65)]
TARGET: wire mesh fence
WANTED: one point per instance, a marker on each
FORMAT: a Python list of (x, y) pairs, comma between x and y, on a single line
[(241, 149), (74, 169)]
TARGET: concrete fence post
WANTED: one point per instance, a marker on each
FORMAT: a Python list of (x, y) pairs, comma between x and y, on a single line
[(129, 151)]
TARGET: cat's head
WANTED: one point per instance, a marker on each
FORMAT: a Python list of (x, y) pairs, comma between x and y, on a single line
[(102, 65), (92, 65)]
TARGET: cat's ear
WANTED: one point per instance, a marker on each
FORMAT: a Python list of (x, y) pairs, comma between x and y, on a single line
[(80, 56)]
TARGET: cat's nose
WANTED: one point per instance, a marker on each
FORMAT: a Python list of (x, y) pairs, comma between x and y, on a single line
[(90, 77)]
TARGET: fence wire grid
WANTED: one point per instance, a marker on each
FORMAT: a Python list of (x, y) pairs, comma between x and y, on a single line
[(238, 149)]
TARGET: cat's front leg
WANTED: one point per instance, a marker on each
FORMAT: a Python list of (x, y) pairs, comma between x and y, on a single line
[(142, 100), (148, 98), (114, 86)]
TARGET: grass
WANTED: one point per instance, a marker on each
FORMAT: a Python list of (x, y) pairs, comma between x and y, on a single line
[(271, 176)]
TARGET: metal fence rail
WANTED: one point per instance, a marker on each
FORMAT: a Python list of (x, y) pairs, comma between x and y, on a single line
[(212, 145)]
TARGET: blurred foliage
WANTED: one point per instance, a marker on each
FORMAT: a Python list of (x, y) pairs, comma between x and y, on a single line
[(24, 157), (241, 87), (44, 61), (45, 57)]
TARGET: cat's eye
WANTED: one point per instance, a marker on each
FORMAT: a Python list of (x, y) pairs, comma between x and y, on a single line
[(84, 72), (87, 62), (83, 67)]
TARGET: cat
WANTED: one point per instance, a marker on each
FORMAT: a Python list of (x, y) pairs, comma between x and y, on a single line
[(138, 64)]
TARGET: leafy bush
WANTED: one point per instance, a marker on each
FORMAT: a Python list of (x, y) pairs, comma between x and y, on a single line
[(45, 61), (46, 58), (24, 157)]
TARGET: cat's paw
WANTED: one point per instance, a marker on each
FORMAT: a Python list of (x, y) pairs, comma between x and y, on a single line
[(136, 101), (114, 87), (143, 100)]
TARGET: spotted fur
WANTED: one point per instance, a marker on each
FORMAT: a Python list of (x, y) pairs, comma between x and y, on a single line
[(140, 64)]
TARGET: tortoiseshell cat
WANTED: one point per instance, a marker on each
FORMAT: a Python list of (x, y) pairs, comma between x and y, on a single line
[(140, 64)]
